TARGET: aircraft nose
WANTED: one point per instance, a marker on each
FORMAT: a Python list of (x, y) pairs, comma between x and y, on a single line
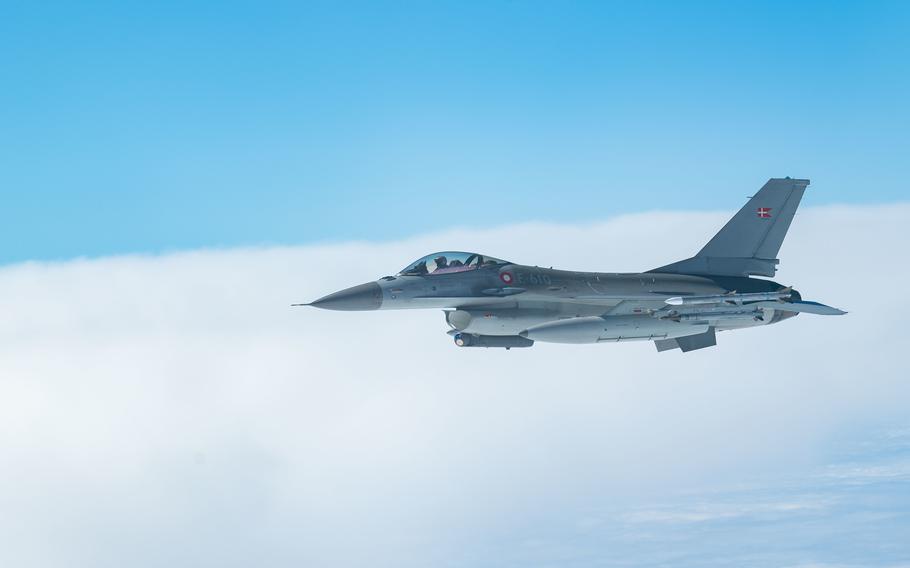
[(363, 297)]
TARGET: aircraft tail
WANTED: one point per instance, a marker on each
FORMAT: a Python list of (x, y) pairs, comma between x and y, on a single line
[(749, 242)]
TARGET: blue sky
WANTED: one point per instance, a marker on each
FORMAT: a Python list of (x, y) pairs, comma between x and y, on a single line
[(164, 126)]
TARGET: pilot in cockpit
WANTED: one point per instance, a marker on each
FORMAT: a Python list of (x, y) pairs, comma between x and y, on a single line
[(441, 262)]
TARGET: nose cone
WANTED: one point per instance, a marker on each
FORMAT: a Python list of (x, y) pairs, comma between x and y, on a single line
[(364, 297)]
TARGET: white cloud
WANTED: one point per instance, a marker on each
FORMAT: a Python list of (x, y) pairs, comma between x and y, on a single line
[(173, 410)]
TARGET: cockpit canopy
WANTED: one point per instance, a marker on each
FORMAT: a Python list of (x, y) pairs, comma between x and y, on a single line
[(449, 262)]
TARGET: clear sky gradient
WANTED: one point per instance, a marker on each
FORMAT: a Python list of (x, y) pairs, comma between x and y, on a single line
[(146, 128)]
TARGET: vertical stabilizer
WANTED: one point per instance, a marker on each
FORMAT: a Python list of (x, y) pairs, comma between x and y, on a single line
[(748, 244)]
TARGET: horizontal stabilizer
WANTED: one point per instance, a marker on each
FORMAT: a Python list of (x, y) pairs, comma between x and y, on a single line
[(802, 306)]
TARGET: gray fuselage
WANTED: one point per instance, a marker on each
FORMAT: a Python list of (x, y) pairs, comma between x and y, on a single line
[(564, 306)]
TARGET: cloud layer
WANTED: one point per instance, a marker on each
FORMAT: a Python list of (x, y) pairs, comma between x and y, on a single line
[(174, 410)]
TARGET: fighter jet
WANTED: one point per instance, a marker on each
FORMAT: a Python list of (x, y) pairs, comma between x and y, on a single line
[(490, 302)]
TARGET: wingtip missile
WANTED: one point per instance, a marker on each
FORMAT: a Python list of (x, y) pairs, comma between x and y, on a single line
[(730, 298)]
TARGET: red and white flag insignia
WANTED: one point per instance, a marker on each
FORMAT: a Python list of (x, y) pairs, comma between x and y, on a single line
[(764, 212)]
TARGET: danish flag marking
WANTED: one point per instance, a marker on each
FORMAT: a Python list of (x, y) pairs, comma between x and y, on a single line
[(764, 212)]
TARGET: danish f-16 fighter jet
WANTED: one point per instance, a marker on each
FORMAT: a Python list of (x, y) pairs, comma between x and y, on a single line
[(490, 302)]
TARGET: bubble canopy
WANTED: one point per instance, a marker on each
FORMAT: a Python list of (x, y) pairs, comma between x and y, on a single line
[(448, 262)]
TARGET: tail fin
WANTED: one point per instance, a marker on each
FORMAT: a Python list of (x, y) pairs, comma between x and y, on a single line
[(749, 242)]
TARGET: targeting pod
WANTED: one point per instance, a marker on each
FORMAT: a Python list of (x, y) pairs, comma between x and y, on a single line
[(506, 341)]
